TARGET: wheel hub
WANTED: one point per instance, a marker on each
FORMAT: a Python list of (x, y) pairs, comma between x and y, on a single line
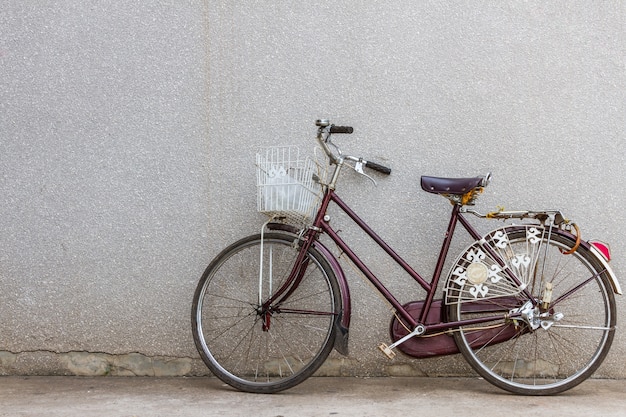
[(535, 319), (265, 314)]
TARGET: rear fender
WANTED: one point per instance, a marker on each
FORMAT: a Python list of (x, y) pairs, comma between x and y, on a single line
[(602, 259)]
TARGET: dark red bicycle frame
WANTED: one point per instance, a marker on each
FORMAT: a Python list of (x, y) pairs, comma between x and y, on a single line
[(321, 225)]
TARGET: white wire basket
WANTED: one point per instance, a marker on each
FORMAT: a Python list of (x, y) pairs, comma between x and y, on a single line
[(286, 188)]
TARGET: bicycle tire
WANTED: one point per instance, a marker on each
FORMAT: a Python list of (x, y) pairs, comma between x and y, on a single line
[(227, 323), (562, 351)]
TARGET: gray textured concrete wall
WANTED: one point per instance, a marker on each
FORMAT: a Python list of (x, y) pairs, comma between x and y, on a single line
[(129, 133), (103, 177)]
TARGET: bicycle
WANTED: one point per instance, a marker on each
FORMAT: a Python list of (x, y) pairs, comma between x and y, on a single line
[(530, 306)]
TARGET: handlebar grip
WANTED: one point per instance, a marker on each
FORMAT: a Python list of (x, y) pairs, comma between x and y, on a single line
[(341, 129), (378, 167)]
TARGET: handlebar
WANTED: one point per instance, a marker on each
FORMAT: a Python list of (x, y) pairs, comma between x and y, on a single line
[(325, 129), (340, 129), (377, 167)]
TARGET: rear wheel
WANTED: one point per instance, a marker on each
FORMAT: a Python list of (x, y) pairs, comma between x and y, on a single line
[(555, 345), (258, 348)]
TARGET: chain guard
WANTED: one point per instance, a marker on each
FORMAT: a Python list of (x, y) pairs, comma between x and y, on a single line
[(428, 346)]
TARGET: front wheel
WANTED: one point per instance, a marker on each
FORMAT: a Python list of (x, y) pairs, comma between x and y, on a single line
[(250, 345), (539, 347)]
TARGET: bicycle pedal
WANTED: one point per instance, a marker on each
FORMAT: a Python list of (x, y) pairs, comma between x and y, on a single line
[(387, 351)]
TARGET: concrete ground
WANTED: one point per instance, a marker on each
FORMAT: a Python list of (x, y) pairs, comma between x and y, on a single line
[(143, 397)]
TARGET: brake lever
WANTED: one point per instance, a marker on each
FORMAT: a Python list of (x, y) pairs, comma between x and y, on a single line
[(358, 167)]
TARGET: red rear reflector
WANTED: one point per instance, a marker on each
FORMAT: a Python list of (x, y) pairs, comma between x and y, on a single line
[(603, 248)]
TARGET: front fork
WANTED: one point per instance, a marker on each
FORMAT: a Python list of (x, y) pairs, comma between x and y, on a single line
[(266, 319), (267, 308)]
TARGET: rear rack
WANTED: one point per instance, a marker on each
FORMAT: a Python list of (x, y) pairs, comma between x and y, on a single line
[(545, 217)]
